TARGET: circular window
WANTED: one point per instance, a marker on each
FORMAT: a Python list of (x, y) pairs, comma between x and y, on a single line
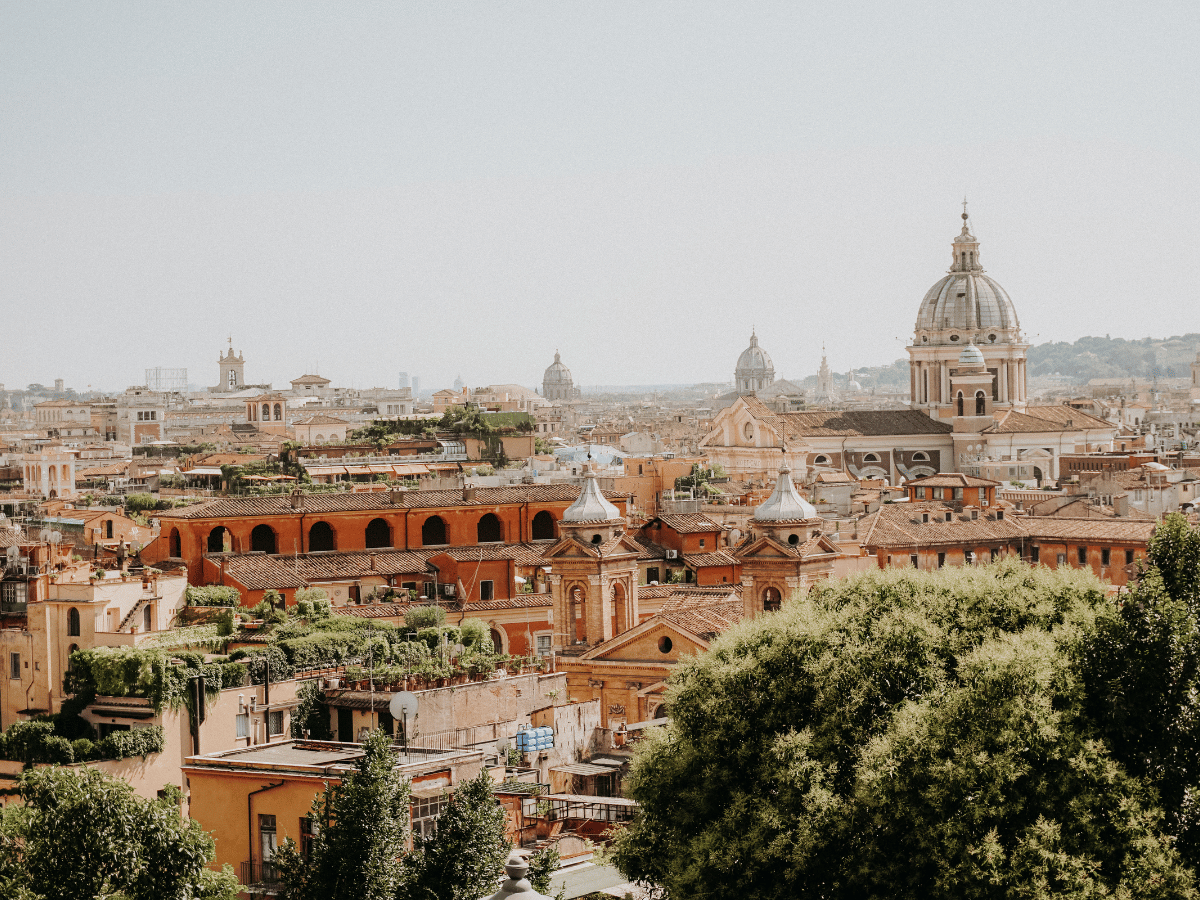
[(954, 338), (991, 339), (793, 539), (924, 339), (596, 538), (748, 431), (664, 644)]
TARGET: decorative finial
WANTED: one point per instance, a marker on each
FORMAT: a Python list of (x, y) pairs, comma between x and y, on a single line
[(964, 215)]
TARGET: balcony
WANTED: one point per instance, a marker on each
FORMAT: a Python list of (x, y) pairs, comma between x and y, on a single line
[(260, 877)]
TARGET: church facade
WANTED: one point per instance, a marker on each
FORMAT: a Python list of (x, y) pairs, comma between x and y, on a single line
[(968, 402)]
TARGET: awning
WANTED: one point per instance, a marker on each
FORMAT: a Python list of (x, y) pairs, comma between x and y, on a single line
[(583, 769), (410, 469), (325, 470), (202, 470)]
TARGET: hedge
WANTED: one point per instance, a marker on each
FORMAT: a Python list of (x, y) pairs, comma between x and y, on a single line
[(32, 743), (213, 595)]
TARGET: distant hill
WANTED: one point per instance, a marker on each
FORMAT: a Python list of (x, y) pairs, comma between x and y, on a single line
[(1109, 357)]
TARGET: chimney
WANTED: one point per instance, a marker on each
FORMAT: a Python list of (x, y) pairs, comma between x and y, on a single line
[(1121, 504), (468, 493), (371, 557), (974, 514)]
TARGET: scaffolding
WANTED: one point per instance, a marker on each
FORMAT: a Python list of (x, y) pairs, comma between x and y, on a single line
[(171, 381)]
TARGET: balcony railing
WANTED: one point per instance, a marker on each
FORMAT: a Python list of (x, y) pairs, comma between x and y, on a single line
[(256, 873)]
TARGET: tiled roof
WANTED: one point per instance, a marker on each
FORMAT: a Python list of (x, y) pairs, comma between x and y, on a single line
[(706, 620), (1045, 418), (321, 419), (281, 504), (900, 525), (848, 423), (690, 523), (650, 550), (715, 558), (952, 479), (259, 571)]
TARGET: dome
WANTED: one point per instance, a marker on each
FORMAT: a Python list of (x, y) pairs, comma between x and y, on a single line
[(754, 360), (785, 503), (966, 303), (557, 373), (971, 358), (591, 505)]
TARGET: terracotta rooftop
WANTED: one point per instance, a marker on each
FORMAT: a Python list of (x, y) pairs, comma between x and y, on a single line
[(951, 479), (281, 504), (705, 620), (847, 423), (690, 523)]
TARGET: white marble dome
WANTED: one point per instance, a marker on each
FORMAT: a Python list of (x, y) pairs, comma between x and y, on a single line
[(754, 370)]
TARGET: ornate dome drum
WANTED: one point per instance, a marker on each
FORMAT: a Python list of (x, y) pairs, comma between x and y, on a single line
[(754, 371), (557, 383)]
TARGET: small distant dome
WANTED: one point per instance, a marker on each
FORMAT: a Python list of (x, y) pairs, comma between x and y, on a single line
[(557, 383), (971, 357), (785, 503), (755, 370), (591, 505)]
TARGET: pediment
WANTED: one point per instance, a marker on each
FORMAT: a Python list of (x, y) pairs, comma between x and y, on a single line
[(641, 644)]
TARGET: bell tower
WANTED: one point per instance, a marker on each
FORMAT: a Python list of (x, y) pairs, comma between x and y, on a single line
[(233, 371)]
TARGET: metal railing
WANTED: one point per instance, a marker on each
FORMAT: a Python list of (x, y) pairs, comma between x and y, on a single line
[(256, 872)]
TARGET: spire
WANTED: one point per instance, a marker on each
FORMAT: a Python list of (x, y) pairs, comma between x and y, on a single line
[(591, 505), (785, 503), (965, 247), (753, 337)]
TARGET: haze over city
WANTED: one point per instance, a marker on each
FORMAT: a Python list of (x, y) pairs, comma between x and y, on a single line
[(464, 188)]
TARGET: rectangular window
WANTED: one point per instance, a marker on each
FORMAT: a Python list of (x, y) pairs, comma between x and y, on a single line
[(1062, 559), (652, 574), (544, 643), (1082, 553), (920, 493), (268, 840), (243, 724), (941, 560), (427, 589), (938, 494), (275, 722), (1129, 557), (958, 495), (1105, 556), (308, 831), (14, 665), (425, 811), (995, 554), (486, 590), (1035, 554), (701, 543), (915, 562), (969, 556)]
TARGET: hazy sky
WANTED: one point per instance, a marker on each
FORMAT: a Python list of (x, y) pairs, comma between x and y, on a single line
[(448, 188)]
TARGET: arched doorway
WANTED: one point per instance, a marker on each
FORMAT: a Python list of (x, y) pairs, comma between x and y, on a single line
[(489, 530), (73, 622), (174, 544), (771, 599), (379, 534), (433, 532), (497, 641), (220, 540), (321, 537), (262, 538), (543, 527)]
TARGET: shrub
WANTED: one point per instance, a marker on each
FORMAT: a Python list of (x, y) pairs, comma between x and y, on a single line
[(136, 742), (259, 663), (213, 595), (83, 749), (304, 609), (233, 674), (311, 594), (35, 742), (476, 633), (419, 617), (224, 622)]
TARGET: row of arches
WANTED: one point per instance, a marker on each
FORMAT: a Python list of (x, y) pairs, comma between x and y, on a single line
[(266, 412), (980, 403), (377, 535)]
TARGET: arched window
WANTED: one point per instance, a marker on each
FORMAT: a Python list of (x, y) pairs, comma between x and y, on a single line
[(73, 622), (871, 458), (821, 460), (920, 456), (980, 404), (174, 544), (278, 412), (219, 540), (321, 537), (232, 378), (497, 641), (433, 531), (379, 534), (263, 538), (960, 403), (771, 599), (543, 527), (489, 530), (266, 412)]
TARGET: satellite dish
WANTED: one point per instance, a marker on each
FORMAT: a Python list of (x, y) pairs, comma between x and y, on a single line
[(44, 535), (403, 705), (502, 746)]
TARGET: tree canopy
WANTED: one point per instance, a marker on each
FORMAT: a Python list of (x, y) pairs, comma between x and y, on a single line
[(936, 735), (85, 834)]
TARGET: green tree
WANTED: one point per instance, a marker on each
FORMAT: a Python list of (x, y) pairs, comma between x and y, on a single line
[(899, 734), (1142, 672), (361, 830), (465, 854), (84, 834)]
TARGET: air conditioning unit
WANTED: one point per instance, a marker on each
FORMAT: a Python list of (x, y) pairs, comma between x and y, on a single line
[(672, 554)]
